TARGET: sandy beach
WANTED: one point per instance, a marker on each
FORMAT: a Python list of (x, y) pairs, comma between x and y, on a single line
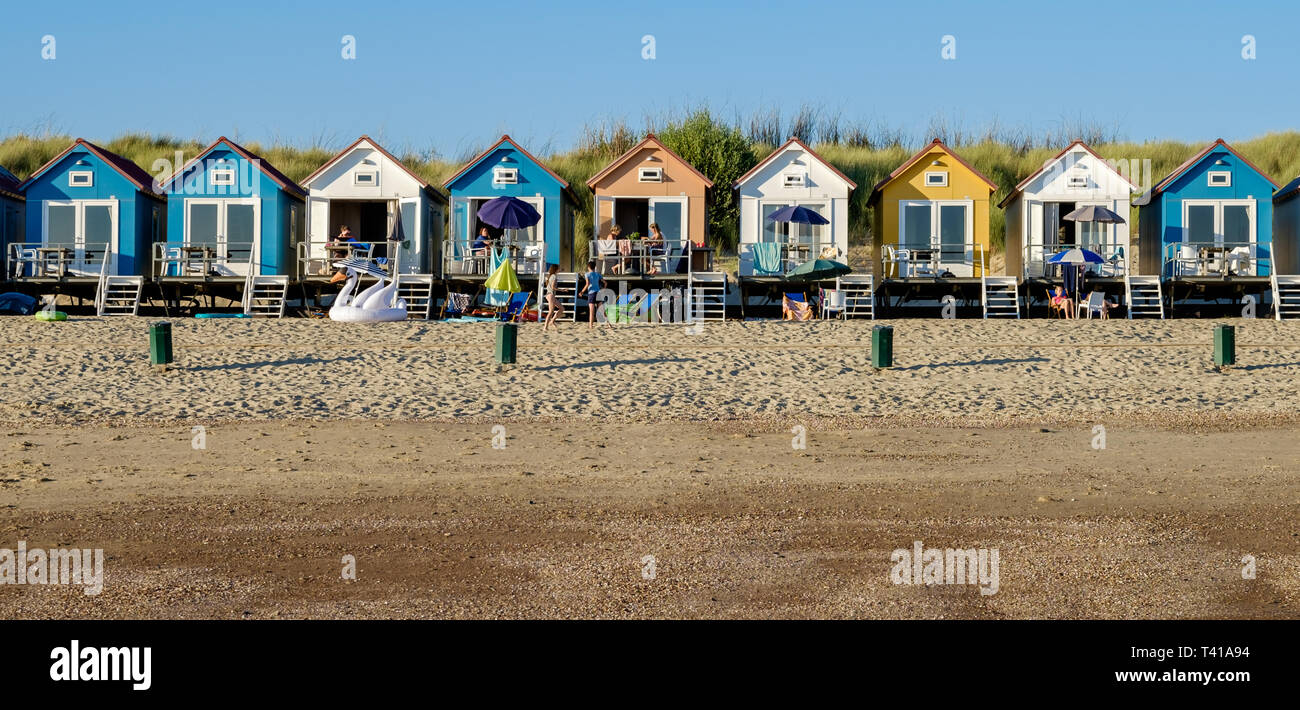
[(323, 440), (958, 371)]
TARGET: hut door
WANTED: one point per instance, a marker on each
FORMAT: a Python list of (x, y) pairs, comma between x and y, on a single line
[(670, 215), (88, 228), (604, 217), (955, 249), (412, 250)]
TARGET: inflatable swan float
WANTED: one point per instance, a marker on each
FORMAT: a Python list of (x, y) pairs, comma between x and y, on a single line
[(377, 304)]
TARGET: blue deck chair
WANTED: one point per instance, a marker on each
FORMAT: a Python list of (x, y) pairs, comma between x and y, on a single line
[(515, 308)]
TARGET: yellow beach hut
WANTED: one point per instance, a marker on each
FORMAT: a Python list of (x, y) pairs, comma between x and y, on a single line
[(931, 217)]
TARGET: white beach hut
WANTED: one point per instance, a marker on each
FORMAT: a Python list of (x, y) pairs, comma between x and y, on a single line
[(792, 175), (366, 188), (1035, 208)]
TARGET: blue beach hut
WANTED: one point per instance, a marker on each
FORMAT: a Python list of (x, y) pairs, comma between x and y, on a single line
[(84, 205), (1212, 216), (11, 211), (229, 208), (507, 169)]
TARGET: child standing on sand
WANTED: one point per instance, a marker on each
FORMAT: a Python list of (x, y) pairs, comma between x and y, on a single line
[(591, 287), (553, 307)]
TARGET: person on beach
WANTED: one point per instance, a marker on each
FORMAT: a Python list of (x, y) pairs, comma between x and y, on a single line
[(591, 287), (482, 246), (1063, 302), (654, 247), (553, 307), (342, 247)]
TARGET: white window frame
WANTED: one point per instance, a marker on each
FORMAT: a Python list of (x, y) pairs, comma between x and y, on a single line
[(79, 264), (936, 230), (499, 176), (650, 175), (372, 174), (1212, 174), (1219, 238), (793, 180), (941, 174), (222, 218), (1081, 184), (73, 176), (227, 177)]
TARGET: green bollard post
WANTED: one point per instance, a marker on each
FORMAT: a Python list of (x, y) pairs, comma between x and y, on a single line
[(507, 343), (1225, 345), (160, 344), (882, 346)]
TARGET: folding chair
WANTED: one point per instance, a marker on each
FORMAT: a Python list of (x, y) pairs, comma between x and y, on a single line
[(832, 301), (515, 308), (794, 306), (456, 305)]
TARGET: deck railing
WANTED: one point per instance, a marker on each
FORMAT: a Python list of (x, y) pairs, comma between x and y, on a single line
[(1217, 259), (459, 256), (27, 260), (790, 253), (316, 257), (903, 261), (1037, 255), (649, 257), (201, 259)]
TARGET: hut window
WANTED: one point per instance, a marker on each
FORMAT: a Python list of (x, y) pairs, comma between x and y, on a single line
[(1220, 178), (223, 176), (793, 179), (365, 179), (650, 175), (81, 178), (1077, 181), (505, 176), (937, 178)]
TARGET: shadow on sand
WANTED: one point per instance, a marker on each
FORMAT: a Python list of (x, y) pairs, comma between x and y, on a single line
[(976, 363), (266, 363), (614, 363)]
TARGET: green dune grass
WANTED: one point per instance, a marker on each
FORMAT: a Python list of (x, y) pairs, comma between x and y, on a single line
[(724, 150)]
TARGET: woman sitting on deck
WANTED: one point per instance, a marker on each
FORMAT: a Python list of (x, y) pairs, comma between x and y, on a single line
[(654, 246)]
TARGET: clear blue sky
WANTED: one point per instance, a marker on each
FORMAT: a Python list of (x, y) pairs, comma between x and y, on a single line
[(449, 76)]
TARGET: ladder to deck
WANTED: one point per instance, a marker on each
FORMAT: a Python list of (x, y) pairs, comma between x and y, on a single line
[(1286, 297), (859, 295), (417, 291), (265, 295), (118, 295), (1143, 296), (708, 294), (1000, 296), (566, 293)]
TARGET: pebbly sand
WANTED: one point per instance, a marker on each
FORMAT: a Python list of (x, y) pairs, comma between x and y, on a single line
[(324, 440)]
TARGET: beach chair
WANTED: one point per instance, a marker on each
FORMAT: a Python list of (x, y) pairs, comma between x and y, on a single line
[(515, 308), (1096, 303), (457, 305), (832, 302), (795, 306), (606, 251), (1055, 309), (889, 261)]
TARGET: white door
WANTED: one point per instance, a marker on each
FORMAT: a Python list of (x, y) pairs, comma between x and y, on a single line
[(1226, 225), (88, 228), (412, 251), (231, 227)]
